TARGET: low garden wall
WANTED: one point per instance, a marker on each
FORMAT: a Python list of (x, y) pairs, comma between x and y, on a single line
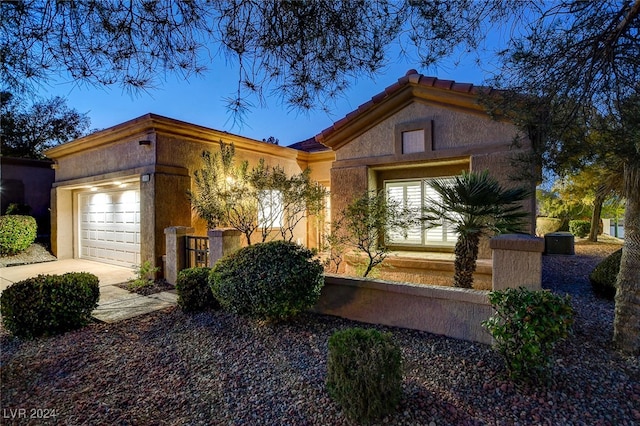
[(450, 311), (453, 312)]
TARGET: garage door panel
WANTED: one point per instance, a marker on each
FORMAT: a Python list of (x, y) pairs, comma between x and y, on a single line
[(110, 226)]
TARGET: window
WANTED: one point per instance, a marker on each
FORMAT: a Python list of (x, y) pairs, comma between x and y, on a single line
[(414, 194), (413, 141), (270, 209)]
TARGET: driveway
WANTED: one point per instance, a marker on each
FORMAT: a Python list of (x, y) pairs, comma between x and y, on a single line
[(108, 274), (116, 304)]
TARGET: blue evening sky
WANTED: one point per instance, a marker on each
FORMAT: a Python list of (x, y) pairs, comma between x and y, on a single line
[(199, 100)]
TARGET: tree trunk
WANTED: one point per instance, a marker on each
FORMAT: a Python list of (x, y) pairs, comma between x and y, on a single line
[(466, 252), (595, 219), (626, 334)]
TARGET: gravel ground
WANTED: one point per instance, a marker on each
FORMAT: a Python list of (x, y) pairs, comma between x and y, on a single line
[(215, 368)]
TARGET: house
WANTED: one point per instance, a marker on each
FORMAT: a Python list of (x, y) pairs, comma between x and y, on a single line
[(116, 190)]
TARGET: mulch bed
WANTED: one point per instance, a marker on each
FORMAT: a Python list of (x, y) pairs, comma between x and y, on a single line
[(170, 368)]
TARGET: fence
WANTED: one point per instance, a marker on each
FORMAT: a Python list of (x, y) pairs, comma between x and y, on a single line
[(196, 251)]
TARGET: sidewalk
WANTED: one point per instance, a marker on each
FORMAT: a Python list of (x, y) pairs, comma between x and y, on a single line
[(115, 303)]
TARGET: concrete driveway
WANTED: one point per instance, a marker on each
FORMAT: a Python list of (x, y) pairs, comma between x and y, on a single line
[(108, 274), (115, 303)]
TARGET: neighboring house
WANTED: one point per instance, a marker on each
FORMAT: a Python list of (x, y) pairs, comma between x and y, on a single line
[(27, 182), (118, 189)]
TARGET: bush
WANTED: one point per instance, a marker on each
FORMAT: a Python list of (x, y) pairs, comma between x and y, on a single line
[(194, 293), (580, 228), (17, 233), (49, 304), (546, 225), (364, 373), (526, 326), (273, 280), (604, 276), (144, 276), (18, 209)]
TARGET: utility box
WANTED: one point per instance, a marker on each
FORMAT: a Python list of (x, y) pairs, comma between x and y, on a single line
[(559, 243)]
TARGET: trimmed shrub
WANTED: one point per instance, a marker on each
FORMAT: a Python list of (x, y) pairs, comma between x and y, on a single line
[(364, 373), (274, 280), (604, 276), (49, 304), (546, 225), (17, 233), (580, 228), (194, 293), (526, 326)]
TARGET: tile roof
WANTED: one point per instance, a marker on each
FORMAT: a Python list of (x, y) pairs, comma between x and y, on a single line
[(412, 77), (309, 145)]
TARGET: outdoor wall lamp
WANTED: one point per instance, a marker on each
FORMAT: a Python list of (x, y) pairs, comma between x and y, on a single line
[(144, 142)]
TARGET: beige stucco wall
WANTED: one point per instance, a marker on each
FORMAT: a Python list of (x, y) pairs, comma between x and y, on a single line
[(167, 161), (452, 128), (456, 139)]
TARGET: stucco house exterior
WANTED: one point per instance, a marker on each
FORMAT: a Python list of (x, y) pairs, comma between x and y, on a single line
[(116, 190)]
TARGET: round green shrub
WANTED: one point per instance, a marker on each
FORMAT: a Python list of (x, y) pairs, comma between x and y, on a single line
[(17, 233), (604, 276), (364, 373), (580, 228), (49, 304), (274, 280), (526, 326), (546, 225), (194, 293)]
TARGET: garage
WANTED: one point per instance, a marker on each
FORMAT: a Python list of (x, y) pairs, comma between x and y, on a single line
[(109, 225)]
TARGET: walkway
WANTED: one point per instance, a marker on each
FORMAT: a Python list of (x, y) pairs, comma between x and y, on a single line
[(115, 303)]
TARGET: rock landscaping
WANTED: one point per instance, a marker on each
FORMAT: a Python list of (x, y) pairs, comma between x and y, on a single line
[(174, 368)]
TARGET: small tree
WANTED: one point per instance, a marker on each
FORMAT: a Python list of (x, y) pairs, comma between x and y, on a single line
[(264, 197), (368, 220), (283, 201), (224, 195), (476, 205)]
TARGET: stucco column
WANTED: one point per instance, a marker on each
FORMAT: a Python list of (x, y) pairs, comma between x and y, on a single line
[(222, 242), (175, 256), (517, 261)]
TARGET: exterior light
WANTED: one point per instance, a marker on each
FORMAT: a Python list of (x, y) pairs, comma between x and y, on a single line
[(144, 142)]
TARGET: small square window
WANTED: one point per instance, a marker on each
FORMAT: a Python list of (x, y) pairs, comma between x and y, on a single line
[(413, 141)]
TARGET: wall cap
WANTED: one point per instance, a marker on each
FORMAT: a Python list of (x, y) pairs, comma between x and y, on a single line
[(179, 230), (517, 242)]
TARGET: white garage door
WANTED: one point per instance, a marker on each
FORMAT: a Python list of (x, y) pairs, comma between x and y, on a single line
[(110, 226)]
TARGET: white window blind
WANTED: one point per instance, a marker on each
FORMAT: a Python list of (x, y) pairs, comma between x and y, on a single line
[(270, 209), (409, 195), (415, 194), (413, 141)]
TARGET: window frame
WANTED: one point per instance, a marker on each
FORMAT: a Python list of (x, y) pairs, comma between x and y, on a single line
[(425, 242)]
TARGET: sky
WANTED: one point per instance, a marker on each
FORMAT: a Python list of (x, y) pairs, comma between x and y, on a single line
[(199, 100)]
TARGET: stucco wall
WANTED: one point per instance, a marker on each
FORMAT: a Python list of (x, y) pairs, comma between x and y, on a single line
[(164, 165), (452, 128), (124, 154)]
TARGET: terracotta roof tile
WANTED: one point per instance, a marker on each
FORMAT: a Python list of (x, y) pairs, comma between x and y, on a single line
[(427, 81), (443, 84), (462, 87), (389, 90), (309, 145)]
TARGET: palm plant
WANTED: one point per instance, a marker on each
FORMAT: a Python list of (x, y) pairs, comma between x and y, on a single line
[(474, 204)]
